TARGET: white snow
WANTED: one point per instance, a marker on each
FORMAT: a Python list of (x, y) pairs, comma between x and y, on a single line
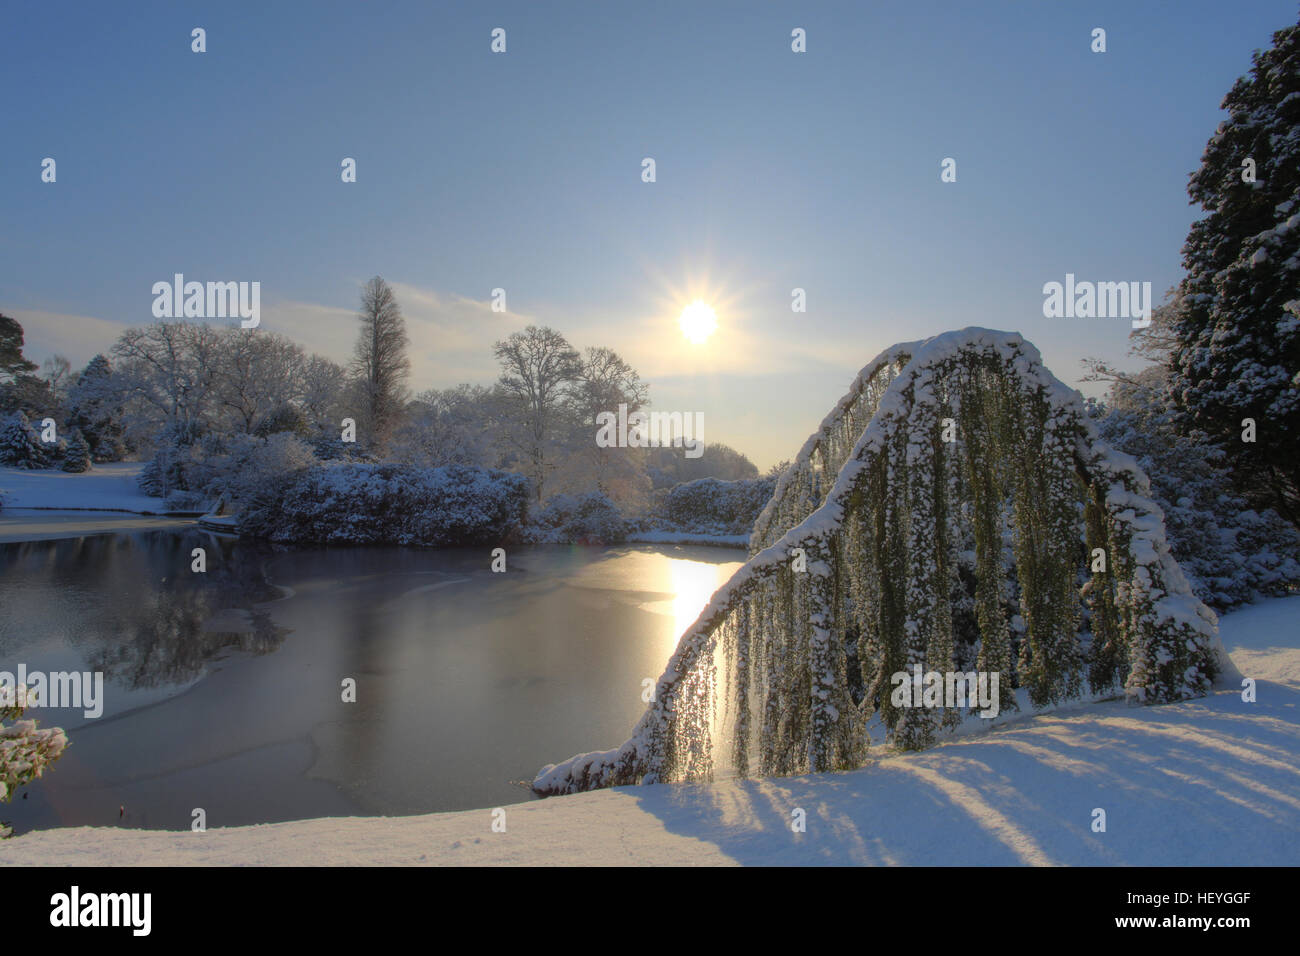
[(107, 487), (1211, 781)]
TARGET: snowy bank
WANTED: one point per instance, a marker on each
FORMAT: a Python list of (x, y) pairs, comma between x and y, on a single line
[(108, 487), (1211, 781)]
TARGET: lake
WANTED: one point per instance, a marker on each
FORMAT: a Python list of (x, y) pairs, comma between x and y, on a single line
[(223, 690)]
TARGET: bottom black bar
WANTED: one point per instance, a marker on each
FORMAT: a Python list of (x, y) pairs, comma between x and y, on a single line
[(587, 907)]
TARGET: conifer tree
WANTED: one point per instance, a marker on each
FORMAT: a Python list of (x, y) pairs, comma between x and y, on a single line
[(77, 457), (20, 445), (1237, 355)]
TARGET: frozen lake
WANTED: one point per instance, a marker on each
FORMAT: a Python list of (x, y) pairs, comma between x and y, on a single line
[(223, 690)]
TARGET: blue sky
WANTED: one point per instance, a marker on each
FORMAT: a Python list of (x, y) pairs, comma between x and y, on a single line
[(522, 171)]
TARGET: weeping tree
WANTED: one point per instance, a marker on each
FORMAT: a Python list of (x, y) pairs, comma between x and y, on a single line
[(958, 479), (25, 748)]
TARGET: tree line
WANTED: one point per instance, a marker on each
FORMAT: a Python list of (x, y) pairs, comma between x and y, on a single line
[(167, 385)]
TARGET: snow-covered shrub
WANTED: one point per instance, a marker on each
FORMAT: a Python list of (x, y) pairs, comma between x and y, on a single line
[(77, 457), (283, 418), (714, 506), (237, 466), (1230, 553), (335, 449), (165, 472), (388, 504), (248, 464), (25, 749), (20, 444), (584, 519), (189, 502)]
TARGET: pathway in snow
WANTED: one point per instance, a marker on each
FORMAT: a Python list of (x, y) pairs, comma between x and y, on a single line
[(1213, 781)]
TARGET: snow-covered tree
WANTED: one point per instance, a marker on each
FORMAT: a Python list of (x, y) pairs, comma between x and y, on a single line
[(605, 381), (26, 750), (323, 384), (670, 466), (887, 544), (169, 377), (12, 361), (20, 390), (380, 364), (539, 370), (20, 445), (1232, 552), (453, 426), (258, 373), (95, 404), (1238, 328), (77, 457)]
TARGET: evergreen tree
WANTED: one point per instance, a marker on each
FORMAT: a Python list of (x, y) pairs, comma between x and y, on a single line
[(20, 445), (97, 411), (20, 390), (77, 458), (12, 361), (1238, 326)]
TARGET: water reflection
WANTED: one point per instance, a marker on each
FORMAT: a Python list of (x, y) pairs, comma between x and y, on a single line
[(129, 605), (223, 690)]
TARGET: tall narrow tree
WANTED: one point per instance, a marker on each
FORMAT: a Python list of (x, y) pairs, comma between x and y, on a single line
[(1237, 328), (380, 363)]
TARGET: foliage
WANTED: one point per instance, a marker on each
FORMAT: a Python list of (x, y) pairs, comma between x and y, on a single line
[(388, 504), (580, 519), (25, 749), (884, 544), (713, 506), (77, 458), (1238, 323), (20, 444)]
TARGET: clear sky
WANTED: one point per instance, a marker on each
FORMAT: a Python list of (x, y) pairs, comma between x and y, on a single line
[(522, 171)]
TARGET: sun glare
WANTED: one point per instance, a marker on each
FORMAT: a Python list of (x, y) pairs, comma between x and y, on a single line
[(698, 322)]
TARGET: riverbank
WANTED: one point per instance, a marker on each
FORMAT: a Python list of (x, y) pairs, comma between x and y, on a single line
[(1203, 782), (108, 487), (46, 505), (112, 488)]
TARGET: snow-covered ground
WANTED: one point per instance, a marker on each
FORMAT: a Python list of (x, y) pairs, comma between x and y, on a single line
[(1214, 781), (109, 487)]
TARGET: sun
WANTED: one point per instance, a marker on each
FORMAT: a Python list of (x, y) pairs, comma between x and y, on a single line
[(698, 322)]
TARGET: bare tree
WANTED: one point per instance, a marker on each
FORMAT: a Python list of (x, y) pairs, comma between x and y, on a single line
[(454, 426), (380, 363), (258, 373), (539, 370), (169, 371), (606, 381), (322, 390), (1154, 343), (56, 370)]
